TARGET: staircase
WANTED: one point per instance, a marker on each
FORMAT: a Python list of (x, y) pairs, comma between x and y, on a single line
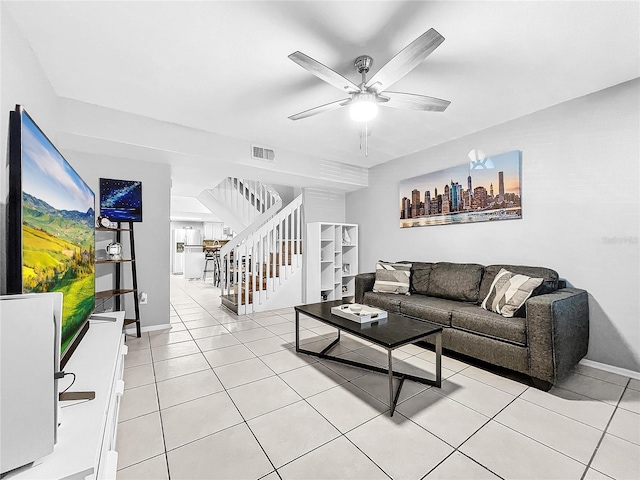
[(261, 267), (240, 203)]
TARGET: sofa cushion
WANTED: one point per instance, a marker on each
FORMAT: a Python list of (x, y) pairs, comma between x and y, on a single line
[(386, 301), (549, 284), (473, 318), (420, 273), (436, 310), (497, 352), (392, 278), (508, 292), (455, 281)]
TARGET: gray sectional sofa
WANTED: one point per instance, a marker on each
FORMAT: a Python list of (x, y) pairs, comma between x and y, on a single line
[(545, 339)]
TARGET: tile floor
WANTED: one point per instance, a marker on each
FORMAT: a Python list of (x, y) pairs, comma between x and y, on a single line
[(226, 396)]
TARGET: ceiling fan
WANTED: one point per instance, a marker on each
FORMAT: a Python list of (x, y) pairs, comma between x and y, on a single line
[(364, 98)]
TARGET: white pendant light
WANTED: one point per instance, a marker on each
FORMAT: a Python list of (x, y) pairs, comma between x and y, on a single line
[(363, 107)]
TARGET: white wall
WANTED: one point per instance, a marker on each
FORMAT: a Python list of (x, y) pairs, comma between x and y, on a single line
[(24, 82), (580, 180), (287, 193), (152, 235), (323, 206), (27, 86)]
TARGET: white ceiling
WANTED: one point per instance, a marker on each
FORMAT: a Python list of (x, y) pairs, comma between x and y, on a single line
[(222, 67)]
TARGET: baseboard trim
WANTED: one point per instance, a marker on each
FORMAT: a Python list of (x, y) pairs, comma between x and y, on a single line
[(610, 368), (152, 328)]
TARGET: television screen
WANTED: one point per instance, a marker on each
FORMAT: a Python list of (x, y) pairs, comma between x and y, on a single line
[(51, 228), (121, 200)]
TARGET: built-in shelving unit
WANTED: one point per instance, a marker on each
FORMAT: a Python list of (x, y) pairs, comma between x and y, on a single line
[(117, 292), (332, 261)]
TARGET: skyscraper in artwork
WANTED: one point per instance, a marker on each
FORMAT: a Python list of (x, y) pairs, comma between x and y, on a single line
[(406, 208), (454, 196), (415, 202), (501, 185)]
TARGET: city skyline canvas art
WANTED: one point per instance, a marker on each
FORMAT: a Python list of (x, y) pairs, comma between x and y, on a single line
[(482, 190)]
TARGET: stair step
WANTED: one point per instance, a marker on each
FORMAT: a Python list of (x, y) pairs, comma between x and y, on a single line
[(251, 285), (293, 246), (230, 302), (271, 268), (276, 258)]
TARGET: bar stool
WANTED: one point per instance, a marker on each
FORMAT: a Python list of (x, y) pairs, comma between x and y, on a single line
[(209, 256), (216, 268)]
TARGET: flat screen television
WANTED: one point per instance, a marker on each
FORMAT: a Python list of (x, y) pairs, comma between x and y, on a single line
[(121, 200), (50, 228)]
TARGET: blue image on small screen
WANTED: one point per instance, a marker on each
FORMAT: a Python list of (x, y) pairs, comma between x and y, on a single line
[(121, 200)]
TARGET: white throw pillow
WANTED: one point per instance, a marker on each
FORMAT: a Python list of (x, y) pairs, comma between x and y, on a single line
[(509, 291)]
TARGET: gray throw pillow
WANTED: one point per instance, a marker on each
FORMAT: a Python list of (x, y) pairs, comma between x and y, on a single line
[(392, 278)]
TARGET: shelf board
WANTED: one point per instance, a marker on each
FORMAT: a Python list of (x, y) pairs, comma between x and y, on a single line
[(129, 321), (348, 246), (348, 274), (326, 239), (124, 260), (326, 289), (113, 293), (326, 261)]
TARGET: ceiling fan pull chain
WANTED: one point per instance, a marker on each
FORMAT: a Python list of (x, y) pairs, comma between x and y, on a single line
[(366, 139)]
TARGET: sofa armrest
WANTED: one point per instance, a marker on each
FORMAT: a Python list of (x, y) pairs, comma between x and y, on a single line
[(364, 283), (558, 332)]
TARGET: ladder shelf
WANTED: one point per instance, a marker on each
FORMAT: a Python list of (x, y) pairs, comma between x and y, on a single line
[(119, 290)]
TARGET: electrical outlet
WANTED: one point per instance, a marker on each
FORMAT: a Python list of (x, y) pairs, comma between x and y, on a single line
[(142, 298)]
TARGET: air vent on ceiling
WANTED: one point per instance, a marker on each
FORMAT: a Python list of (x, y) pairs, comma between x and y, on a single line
[(262, 153)]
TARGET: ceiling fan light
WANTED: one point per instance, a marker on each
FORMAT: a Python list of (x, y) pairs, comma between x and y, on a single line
[(363, 108)]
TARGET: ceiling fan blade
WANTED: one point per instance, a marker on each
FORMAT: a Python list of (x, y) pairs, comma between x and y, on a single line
[(414, 102), (321, 109), (324, 73), (405, 61)]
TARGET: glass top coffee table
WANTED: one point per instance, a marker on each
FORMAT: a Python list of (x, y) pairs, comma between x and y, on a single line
[(396, 331)]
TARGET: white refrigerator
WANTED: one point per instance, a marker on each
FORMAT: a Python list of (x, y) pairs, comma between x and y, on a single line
[(180, 239)]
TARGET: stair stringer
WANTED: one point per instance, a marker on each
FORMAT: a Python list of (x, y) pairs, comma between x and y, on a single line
[(221, 211), (241, 203), (288, 294)]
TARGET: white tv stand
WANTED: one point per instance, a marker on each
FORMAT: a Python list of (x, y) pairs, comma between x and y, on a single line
[(87, 429)]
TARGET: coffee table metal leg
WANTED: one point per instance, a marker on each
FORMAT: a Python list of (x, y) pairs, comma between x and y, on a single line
[(393, 399), (439, 359), (297, 331), (391, 404)]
